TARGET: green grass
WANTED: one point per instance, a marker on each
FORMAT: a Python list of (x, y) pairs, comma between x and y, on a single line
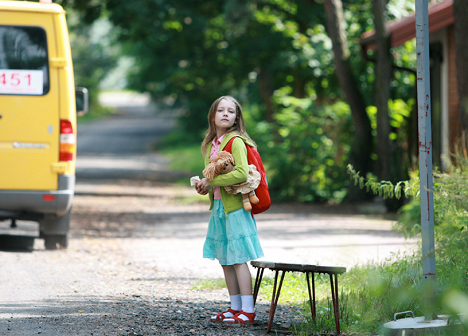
[(95, 113), (192, 199), (184, 153), (294, 291), (185, 159), (209, 284), (369, 296)]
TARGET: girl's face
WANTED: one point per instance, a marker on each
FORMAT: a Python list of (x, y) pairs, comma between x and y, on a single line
[(225, 115)]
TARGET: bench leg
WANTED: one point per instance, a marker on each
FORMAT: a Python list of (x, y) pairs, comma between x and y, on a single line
[(258, 282), (336, 305), (312, 294), (274, 298)]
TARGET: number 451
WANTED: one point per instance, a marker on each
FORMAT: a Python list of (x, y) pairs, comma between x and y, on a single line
[(15, 79)]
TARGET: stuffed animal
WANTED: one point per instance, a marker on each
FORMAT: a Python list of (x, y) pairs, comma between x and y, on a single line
[(223, 163)]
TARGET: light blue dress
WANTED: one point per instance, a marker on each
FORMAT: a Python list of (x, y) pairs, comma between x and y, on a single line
[(232, 239)]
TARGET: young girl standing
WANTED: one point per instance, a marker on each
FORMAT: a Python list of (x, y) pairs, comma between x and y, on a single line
[(232, 232)]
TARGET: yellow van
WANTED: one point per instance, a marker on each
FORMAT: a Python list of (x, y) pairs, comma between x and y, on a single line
[(38, 112)]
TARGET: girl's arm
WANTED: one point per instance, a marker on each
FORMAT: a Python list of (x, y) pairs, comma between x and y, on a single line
[(241, 173)]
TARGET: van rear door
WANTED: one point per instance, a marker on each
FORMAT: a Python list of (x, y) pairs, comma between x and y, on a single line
[(29, 102)]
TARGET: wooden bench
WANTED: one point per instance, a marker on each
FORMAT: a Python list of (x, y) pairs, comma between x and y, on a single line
[(310, 271)]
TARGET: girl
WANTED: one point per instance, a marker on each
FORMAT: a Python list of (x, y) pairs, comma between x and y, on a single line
[(232, 232)]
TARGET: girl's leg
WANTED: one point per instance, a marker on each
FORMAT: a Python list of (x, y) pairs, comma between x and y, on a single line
[(230, 277), (239, 280), (244, 280)]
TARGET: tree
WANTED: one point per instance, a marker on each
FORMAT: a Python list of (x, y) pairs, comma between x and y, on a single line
[(276, 57), (460, 11), (389, 158), (382, 89), (195, 51), (362, 146), (93, 56)]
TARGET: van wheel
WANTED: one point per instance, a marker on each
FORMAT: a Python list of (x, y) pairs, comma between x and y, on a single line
[(54, 242)]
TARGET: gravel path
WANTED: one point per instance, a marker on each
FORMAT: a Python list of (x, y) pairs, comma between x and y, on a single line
[(135, 254), (125, 271)]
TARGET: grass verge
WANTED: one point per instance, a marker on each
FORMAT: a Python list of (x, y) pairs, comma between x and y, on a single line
[(187, 159), (209, 284)]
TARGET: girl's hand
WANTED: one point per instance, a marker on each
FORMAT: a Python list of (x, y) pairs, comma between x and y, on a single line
[(203, 186)]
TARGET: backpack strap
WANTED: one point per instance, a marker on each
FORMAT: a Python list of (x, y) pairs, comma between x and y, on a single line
[(250, 157), (228, 147)]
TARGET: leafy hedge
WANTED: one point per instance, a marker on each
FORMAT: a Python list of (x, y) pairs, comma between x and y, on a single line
[(306, 150)]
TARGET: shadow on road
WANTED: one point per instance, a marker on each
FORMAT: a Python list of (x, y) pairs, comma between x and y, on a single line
[(131, 315)]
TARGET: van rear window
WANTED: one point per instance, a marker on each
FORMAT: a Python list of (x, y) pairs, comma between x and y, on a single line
[(24, 66)]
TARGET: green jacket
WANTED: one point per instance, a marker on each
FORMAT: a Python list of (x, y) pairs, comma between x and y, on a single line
[(239, 175)]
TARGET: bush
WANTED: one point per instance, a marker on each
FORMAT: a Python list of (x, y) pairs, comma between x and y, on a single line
[(450, 205), (306, 150)]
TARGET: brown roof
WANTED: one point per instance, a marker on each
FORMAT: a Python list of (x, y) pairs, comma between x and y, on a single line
[(402, 30)]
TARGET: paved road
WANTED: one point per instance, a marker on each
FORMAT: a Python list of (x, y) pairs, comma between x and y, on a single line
[(120, 146), (168, 219)]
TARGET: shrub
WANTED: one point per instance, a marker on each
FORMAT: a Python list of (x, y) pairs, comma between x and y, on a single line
[(305, 150)]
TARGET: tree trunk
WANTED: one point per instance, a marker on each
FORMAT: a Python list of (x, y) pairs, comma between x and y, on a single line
[(266, 90), (389, 155), (460, 10), (362, 145), (383, 73)]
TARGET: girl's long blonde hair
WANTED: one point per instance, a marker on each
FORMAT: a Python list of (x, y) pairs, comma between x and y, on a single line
[(239, 125)]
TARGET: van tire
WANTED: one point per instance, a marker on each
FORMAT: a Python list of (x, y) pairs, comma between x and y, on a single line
[(54, 230), (54, 242)]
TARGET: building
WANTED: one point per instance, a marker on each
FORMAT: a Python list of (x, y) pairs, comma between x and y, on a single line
[(444, 91)]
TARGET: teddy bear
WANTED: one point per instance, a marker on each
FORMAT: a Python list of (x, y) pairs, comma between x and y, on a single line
[(224, 163)]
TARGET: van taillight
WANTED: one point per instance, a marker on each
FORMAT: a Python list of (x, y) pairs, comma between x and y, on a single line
[(67, 140)]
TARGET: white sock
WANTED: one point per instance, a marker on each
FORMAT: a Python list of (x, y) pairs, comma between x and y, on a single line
[(247, 303), (236, 302), (247, 306)]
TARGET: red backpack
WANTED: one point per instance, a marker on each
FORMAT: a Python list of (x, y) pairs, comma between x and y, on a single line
[(253, 157)]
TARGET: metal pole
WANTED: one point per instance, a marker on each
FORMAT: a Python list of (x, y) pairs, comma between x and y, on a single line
[(425, 158)]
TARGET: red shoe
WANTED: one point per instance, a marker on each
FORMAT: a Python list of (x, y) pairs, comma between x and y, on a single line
[(237, 320), (220, 317)]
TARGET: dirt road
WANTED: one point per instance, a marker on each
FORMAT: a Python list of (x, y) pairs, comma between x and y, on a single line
[(135, 253)]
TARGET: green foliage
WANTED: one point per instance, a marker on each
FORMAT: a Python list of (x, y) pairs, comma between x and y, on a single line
[(93, 57), (272, 55), (194, 51), (376, 292), (385, 189), (450, 194), (306, 150), (409, 220), (399, 113)]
